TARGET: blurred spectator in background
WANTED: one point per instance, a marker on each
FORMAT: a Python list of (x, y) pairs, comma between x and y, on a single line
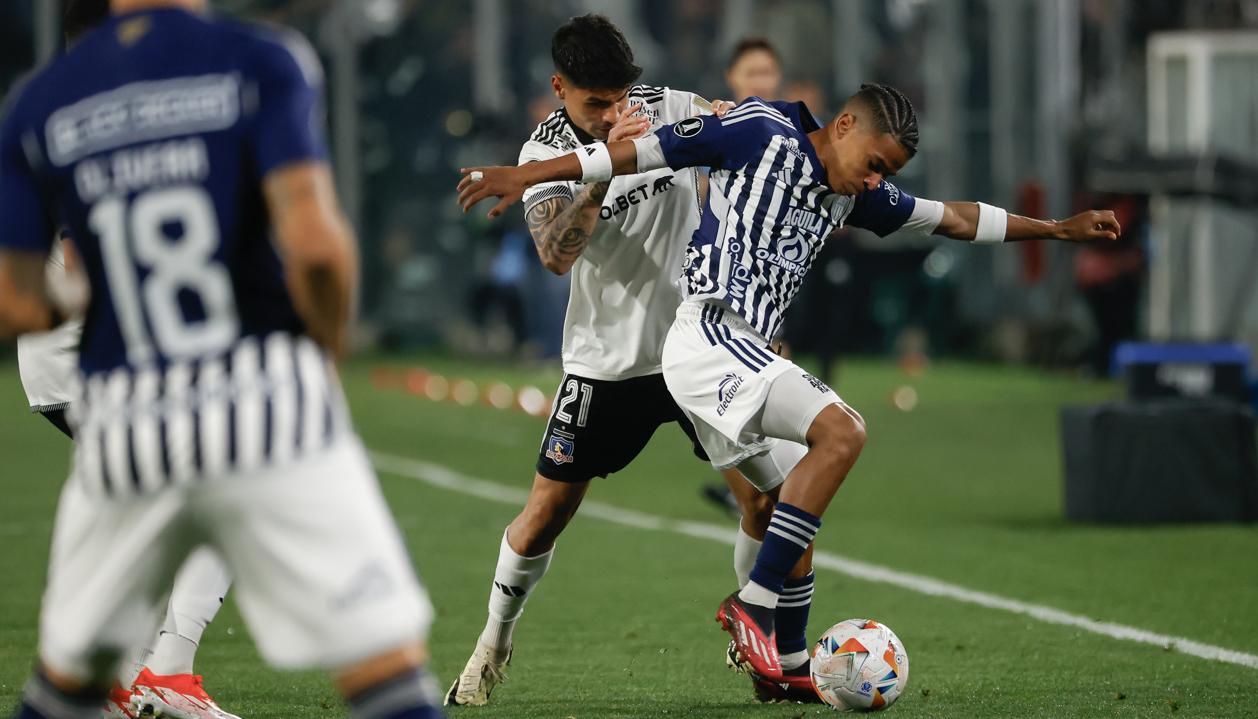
[(754, 69), (809, 93), (1110, 275), (498, 305)]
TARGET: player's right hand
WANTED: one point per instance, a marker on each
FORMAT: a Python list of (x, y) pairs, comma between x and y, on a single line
[(478, 183), (630, 126)]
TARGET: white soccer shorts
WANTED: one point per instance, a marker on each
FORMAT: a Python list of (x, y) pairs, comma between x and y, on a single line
[(720, 372), (48, 363), (322, 576)]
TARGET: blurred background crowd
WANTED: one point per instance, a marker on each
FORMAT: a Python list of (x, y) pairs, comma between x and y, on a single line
[(1148, 107)]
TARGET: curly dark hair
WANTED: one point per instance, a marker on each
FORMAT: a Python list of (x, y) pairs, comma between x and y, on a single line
[(80, 16), (590, 51)]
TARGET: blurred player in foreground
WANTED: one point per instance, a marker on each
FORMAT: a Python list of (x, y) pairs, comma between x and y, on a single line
[(159, 680), (171, 144), (780, 184), (623, 241)]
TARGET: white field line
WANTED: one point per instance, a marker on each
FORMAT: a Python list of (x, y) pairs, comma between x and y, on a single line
[(446, 478)]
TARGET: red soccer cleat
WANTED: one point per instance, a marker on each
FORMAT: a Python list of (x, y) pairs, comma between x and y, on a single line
[(118, 704), (755, 642), (795, 685), (177, 696)]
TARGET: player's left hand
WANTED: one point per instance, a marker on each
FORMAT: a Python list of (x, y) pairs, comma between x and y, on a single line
[(506, 183), (1090, 225), (720, 107)]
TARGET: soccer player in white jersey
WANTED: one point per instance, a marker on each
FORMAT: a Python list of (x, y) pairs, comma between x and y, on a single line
[(623, 241), (185, 155), (48, 366), (780, 183)]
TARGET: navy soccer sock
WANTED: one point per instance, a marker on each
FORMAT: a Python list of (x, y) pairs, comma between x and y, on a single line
[(791, 530), (42, 700), (791, 620), (413, 695)]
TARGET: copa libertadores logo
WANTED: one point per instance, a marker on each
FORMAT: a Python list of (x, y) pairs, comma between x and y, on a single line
[(688, 127)]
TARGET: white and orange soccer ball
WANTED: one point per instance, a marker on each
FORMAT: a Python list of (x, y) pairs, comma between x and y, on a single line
[(859, 664)]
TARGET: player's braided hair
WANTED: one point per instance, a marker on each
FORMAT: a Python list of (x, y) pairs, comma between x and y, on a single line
[(891, 112), (79, 16), (590, 51)]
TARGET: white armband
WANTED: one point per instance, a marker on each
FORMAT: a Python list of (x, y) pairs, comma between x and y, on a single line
[(650, 154), (926, 216), (992, 223), (596, 162)]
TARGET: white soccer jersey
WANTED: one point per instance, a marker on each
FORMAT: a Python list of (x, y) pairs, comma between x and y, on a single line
[(48, 361), (623, 295)]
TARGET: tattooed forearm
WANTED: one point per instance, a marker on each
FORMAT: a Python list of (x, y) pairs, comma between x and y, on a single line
[(596, 192), (561, 227)]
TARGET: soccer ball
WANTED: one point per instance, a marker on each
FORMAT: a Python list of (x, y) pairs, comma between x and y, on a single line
[(859, 664)]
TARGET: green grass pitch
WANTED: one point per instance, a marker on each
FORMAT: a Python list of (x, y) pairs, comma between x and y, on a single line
[(965, 489)]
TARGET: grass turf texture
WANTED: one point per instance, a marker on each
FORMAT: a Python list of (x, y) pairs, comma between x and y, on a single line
[(966, 489)]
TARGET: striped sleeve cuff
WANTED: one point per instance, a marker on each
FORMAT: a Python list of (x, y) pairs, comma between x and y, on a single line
[(549, 192)]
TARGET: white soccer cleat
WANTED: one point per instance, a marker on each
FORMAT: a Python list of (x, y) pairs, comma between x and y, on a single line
[(483, 672), (118, 705), (177, 696)]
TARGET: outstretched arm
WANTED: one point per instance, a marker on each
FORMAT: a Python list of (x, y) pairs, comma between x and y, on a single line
[(693, 145), (961, 222), (509, 183), (886, 209), (561, 227)]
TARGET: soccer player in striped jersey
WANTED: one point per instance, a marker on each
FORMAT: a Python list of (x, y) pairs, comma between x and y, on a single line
[(172, 144), (160, 681), (160, 678), (780, 183), (622, 240)]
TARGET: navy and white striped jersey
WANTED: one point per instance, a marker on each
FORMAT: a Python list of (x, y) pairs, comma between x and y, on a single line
[(769, 208), (149, 140)]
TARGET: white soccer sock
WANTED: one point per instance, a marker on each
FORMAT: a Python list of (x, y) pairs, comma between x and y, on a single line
[(746, 547), (514, 579), (132, 662), (753, 593), (197, 595), (794, 659)]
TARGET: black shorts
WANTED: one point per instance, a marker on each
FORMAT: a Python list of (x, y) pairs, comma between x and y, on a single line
[(597, 427), (58, 419)]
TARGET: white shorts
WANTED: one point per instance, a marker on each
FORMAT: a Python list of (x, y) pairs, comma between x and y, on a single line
[(321, 574), (48, 363), (720, 372)]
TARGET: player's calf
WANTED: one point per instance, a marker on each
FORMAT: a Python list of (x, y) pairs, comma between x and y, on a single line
[(550, 506), (393, 685), (835, 440), (48, 695)]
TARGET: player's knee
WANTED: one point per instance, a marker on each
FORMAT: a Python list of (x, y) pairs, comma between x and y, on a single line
[(839, 434)]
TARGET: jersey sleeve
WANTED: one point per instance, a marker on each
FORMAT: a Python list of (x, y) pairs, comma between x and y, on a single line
[(28, 223), (681, 104), (710, 141), (534, 151), (882, 210), (290, 113)]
